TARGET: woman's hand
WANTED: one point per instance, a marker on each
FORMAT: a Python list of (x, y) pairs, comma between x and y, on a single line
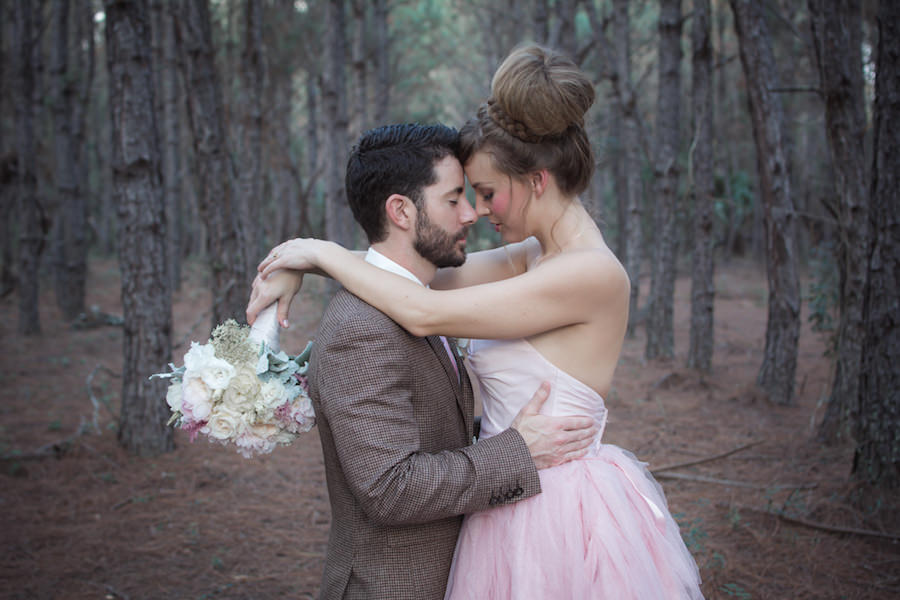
[(297, 254), (280, 286)]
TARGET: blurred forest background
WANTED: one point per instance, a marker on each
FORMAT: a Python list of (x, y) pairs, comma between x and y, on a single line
[(183, 138)]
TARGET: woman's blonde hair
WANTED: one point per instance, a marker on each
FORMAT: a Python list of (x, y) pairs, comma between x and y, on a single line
[(534, 119)]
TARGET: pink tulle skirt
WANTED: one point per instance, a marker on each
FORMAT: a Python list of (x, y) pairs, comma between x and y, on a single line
[(600, 529)]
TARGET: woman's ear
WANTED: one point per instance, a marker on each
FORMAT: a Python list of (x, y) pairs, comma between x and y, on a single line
[(539, 181), (400, 211)]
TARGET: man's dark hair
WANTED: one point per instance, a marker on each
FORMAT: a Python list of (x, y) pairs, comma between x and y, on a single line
[(394, 159)]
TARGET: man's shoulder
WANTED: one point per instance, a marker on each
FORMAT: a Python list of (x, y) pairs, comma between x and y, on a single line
[(346, 310)]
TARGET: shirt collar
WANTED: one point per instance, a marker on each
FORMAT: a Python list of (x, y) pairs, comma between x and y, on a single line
[(374, 257)]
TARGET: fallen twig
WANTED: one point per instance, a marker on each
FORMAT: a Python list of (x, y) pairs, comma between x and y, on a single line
[(97, 402), (733, 483), (691, 463), (815, 524)]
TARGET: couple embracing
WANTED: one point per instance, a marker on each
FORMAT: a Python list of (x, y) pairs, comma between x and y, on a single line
[(550, 511)]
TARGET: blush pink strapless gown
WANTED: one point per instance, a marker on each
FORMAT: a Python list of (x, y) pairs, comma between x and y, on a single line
[(600, 528)]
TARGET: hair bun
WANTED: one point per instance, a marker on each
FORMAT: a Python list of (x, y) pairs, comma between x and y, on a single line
[(539, 93)]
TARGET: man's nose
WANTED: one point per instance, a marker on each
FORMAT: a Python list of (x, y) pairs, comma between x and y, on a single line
[(467, 214)]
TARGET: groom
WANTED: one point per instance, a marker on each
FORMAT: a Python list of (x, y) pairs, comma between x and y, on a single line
[(394, 411)]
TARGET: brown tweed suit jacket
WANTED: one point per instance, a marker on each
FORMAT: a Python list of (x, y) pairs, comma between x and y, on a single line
[(396, 428)]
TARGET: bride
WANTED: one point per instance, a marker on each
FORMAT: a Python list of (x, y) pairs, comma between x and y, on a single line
[(552, 304)]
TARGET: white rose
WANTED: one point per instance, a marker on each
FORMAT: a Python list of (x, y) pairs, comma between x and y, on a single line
[(173, 396), (195, 399), (200, 361), (245, 382), (271, 394), (224, 424)]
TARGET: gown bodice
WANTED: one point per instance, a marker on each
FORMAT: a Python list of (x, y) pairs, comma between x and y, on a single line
[(509, 372)]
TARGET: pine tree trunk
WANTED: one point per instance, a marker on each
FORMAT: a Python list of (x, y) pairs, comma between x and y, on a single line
[(660, 326), (8, 161), (700, 350), (877, 457), (217, 198), (382, 63), (837, 33), (69, 109), (339, 223), (33, 222), (631, 157), (171, 144), (359, 122), (146, 295), (541, 21), (776, 375), (250, 177)]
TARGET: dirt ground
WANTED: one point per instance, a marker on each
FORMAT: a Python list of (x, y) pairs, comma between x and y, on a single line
[(82, 519)]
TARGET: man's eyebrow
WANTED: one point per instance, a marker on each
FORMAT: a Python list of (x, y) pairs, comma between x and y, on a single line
[(455, 191)]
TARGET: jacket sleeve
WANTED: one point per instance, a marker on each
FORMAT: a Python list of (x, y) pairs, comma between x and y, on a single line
[(365, 383)]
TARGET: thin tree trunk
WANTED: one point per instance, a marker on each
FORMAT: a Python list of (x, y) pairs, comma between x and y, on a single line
[(541, 21), (217, 201), (563, 35), (8, 159), (359, 121), (382, 62), (171, 144), (877, 457), (700, 350), (33, 222), (250, 177), (146, 296), (315, 162), (69, 108), (339, 223), (633, 249), (660, 326), (837, 33), (776, 375)]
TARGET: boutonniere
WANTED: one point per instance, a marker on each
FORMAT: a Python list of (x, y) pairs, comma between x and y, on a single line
[(460, 347)]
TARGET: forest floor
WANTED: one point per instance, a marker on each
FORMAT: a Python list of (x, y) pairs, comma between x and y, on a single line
[(82, 519)]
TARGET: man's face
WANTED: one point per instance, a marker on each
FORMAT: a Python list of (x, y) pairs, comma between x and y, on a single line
[(444, 218)]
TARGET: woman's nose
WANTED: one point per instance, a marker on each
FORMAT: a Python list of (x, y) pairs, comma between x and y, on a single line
[(481, 208)]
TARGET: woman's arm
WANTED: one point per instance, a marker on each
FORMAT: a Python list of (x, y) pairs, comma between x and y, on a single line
[(488, 265), (567, 289)]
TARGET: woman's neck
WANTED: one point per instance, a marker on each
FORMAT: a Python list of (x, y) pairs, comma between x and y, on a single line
[(562, 225)]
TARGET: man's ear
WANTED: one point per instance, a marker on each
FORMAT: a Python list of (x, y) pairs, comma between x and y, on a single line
[(539, 181), (400, 211)]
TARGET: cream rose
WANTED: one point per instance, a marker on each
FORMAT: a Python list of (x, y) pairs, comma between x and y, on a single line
[(224, 424)]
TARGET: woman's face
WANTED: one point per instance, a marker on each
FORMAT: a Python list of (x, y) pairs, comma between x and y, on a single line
[(498, 197)]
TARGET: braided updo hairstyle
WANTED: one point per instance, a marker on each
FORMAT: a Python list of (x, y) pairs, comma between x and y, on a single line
[(535, 119)]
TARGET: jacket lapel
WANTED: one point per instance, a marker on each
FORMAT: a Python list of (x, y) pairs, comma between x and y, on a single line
[(462, 387)]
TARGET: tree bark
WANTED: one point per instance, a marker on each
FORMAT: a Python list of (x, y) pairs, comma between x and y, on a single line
[(541, 21), (877, 456), (837, 34), (8, 159), (776, 375), (33, 220), (146, 296), (339, 223), (71, 80), (217, 197), (633, 250), (700, 350), (563, 34), (171, 144), (250, 177), (382, 62), (359, 122), (660, 327)]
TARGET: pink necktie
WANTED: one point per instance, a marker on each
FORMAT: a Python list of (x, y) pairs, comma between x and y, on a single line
[(452, 358)]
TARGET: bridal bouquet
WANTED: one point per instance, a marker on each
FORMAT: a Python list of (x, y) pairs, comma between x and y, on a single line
[(240, 388)]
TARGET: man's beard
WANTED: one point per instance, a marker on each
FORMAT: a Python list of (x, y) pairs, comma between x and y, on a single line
[(436, 245)]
